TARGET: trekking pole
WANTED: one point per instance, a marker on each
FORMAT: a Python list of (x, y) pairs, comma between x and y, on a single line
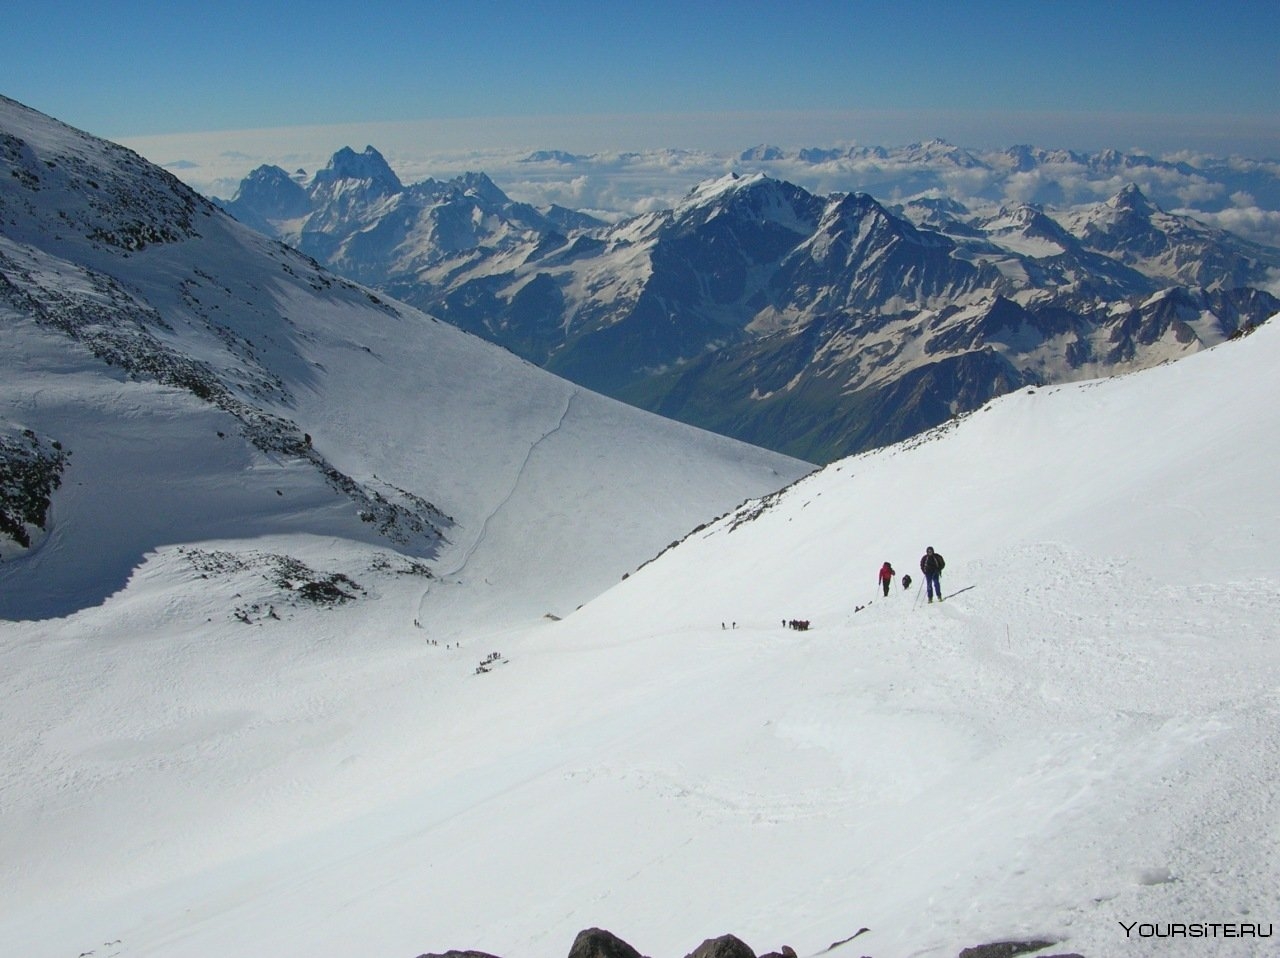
[(919, 589)]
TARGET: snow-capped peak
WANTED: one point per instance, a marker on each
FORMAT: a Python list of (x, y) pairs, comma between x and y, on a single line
[(714, 190), (1132, 200), (369, 167), (483, 188)]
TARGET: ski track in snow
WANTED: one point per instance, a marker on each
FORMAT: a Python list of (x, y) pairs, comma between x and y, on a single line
[(515, 485)]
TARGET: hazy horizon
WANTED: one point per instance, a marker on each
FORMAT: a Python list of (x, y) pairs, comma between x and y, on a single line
[(568, 74)]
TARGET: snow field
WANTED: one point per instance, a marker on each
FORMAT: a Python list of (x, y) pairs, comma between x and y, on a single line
[(1081, 735), (196, 762)]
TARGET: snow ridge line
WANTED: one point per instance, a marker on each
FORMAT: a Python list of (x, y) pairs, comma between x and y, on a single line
[(515, 484)]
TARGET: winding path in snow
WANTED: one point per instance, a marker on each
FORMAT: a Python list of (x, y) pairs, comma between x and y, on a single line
[(515, 484)]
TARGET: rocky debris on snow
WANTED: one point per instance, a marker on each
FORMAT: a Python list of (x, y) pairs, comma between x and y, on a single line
[(121, 330), (117, 201), (31, 469), (1008, 949), (117, 329), (125, 204), (328, 590), (598, 943), (296, 581), (399, 565), (286, 570), (255, 613)]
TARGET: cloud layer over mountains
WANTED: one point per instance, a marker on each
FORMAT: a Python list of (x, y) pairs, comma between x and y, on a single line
[(1238, 193)]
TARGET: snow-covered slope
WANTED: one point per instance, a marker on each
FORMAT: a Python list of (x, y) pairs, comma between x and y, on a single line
[(1081, 739), (202, 382)]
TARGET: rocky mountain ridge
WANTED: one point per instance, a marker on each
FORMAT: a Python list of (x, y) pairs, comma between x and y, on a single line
[(69, 219), (814, 325)]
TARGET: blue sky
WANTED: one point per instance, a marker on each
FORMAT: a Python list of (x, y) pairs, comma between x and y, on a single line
[(128, 68)]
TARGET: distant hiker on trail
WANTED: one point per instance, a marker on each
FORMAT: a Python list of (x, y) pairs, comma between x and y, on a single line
[(886, 577), (932, 564), (906, 582)]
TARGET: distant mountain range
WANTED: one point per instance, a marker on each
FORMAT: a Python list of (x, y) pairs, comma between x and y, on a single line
[(816, 325), (1056, 177)]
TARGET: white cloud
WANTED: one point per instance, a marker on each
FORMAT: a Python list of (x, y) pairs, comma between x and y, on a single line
[(1251, 223)]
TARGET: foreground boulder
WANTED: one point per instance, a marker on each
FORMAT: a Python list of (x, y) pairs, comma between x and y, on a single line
[(598, 943), (726, 946)]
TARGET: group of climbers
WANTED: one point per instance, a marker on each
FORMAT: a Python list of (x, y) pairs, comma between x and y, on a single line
[(931, 566)]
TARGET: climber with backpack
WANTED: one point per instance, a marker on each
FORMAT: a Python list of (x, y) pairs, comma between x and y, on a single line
[(886, 577), (932, 564)]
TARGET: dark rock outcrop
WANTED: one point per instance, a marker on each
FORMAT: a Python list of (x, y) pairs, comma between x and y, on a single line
[(598, 943), (1008, 949), (726, 946)]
